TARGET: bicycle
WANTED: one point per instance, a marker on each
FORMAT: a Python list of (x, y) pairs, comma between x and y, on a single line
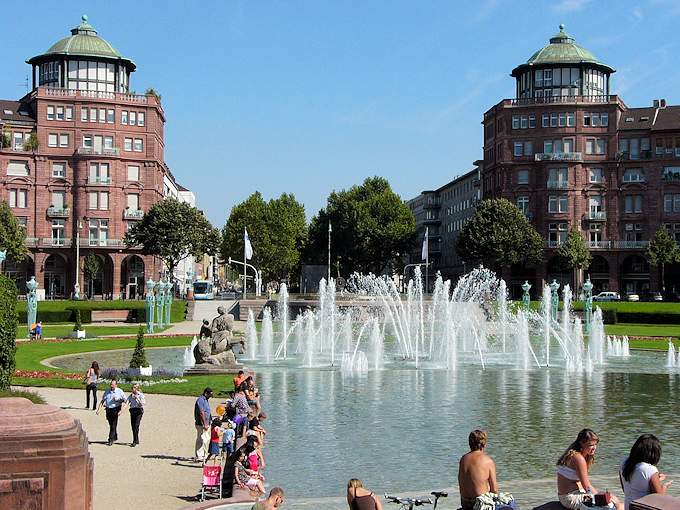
[(409, 503)]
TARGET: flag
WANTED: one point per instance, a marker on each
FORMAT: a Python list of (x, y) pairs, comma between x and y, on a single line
[(424, 251), (248, 246)]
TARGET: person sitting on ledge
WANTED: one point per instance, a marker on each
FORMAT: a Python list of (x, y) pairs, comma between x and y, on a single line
[(476, 471), (360, 498), (639, 474), (573, 483)]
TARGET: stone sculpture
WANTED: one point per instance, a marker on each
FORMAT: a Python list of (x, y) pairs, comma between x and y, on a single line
[(216, 346)]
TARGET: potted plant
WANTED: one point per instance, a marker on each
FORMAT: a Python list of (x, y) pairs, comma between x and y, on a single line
[(78, 331), (138, 363)]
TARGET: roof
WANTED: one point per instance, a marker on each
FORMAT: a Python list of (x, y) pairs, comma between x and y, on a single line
[(563, 50), (10, 112), (654, 119), (85, 42)]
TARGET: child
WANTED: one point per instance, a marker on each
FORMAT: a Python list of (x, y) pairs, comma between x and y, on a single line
[(228, 437), (246, 478), (214, 439)]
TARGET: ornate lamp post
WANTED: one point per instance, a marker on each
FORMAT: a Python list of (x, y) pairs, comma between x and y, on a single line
[(554, 299), (32, 299), (168, 302), (150, 284), (588, 290), (160, 302), (526, 299)]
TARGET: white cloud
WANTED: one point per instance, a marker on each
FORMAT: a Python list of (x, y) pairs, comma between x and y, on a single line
[(571, 5), (637, 13)]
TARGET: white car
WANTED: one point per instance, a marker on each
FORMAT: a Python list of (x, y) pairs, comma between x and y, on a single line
[(633, 297), (607, 296)]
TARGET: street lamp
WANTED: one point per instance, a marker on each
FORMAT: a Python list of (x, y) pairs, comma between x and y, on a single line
[(588, 290), (330, 229), (554, 299), (76, 285), (150, 284)]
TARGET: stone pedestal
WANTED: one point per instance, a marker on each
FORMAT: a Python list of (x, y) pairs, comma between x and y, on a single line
[(44, 460), (208, 369)]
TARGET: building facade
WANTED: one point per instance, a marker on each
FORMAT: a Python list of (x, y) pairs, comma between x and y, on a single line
[(572, 155), (443, 212), (96, 167)]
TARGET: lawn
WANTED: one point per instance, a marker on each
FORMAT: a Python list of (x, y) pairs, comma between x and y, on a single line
[(649, 330), (63, 330), (61, 310)]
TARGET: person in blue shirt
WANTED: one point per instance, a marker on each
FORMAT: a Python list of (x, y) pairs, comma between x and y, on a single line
[(202, 420), (113, 401)]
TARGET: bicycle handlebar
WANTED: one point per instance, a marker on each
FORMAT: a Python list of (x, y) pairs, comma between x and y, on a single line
[(408, 501)]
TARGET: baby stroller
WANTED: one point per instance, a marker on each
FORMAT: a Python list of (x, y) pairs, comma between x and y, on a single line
[(212, 480)]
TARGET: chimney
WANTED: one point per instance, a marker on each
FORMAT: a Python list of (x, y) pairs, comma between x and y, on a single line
[(655, 103), (662, 103)]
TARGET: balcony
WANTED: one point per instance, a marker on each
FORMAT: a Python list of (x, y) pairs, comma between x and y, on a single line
[(93, 94), (133, 214), (58, 212), (529, 101), (557, 184), (103, 151), (32, 241), (628, 156), (99, 180), (553, 244), (432, 203), (597, 215), (670, 175), (61, 242), (105, 243), (631, 245), (558, 156), (599, 245)]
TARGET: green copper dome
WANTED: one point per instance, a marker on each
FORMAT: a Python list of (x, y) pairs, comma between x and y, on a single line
[(563, 50), (84, 42)]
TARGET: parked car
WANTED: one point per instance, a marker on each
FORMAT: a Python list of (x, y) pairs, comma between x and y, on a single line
[(607, 296), (657, 296), (633, 297)]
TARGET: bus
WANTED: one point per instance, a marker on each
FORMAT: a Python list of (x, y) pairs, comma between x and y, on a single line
[(203, 289)]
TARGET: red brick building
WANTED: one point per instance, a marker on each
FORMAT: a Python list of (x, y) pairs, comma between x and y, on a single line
[(572, 155), (98, 166)]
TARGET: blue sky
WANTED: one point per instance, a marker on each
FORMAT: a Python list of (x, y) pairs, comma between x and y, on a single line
[(311, 96)]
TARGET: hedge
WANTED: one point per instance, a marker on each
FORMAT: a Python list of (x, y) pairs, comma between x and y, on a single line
[(64, 311), (8, 330)]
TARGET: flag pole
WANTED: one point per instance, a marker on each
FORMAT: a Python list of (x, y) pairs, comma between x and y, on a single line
[(329, 250), (245, 281)]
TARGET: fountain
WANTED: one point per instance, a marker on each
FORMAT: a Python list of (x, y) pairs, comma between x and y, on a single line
[(671, 361), (282, 317), (251, 336), (618, 347), (267, 335), (189, 361)]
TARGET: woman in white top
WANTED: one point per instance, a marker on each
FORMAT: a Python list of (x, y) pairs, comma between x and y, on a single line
[(573, 483), (639, 474), (90, 381)]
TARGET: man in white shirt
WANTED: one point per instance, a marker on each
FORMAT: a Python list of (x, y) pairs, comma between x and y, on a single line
[(113, 399)]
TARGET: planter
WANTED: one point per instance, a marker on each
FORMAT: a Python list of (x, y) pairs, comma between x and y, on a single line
[(136, 372), (77, 334)]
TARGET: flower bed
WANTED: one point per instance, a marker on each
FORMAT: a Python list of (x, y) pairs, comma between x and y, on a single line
[(44, 374)]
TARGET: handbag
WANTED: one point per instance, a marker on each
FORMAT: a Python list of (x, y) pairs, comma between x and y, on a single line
[(87, 380)]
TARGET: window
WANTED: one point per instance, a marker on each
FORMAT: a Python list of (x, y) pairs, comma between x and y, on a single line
[(515, 122), (596, 146), (133, 202), (18, 141), (99, 173), (596, 119), (93, 115), (558, 146), (557, 233), (132, 173), (595, 204), (557, 203), (87, 141), (523, 148), (69, 113), (633, 175), (60, 113), (139, 145), (50, 113), (98, 200), (133, 118), (671, 203), (545, 120), (124, 117), (110, 116), (523, 204), (83, 114), (596, 175), (633, 204), (18, 168), (23, 222), (58, 232), (52, 140), (102, 115), (128, 144), (58, 199), (59, 170), (18, 198), (98, 232), (558, 177), (63, 140), (595, 233), (522, 176), (633, 231), (532, 120)]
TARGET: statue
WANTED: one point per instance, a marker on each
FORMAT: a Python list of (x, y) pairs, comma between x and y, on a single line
[(32, 307), (216, 344)]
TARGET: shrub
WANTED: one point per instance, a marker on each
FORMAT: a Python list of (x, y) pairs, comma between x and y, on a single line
[(609, 316), (30, 395), (8, 330), (139, 357), (78, 326)]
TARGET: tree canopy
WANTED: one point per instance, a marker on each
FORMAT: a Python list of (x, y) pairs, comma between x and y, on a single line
[(173, 230), (277, 230), (12, 236), (372, 228), (574, 253), (662, 250), (499, 235)]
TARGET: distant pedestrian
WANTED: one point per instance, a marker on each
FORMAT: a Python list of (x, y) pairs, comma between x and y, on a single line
[(136, 401), (90, 381), (113, 400), (202, 420)]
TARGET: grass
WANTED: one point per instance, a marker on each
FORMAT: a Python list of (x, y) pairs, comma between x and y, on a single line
[(647, 330), (30, 395), (63, 330), (659, 344)]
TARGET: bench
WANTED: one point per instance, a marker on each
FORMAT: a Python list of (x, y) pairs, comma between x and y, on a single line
[(110, 315)]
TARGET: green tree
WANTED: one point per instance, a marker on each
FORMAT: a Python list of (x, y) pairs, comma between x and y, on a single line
[(139, 356), (8, 330), (12, 236), (32, 143), (573, 253), (173, 230), (499, 235), (372, 228), (662, 250), (92, 267), (78, 324), (277, 231)]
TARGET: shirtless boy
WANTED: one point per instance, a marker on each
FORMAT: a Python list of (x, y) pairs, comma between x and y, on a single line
[(476, 471)]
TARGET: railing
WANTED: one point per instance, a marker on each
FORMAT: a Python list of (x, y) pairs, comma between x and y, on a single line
[(32, 241), (599, 245), (58, 212), (627, 156), (96, 179), (553, 244), (558, 156), (94, 94), (133, 214), (101, 242), (527, 101), (63, 242), (91, 151), (558, 184), (597, 215), (631, 244), (670, 176)]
